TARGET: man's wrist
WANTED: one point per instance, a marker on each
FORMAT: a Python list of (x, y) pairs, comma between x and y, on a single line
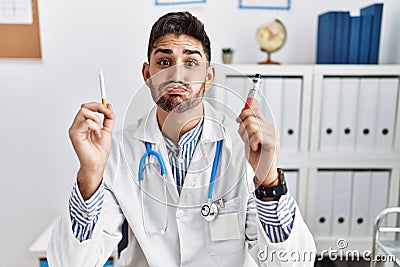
[(272, 190), (88, 183), (271, 180)]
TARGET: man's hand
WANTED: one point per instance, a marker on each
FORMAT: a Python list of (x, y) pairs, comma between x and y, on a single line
[(91, 140), (261, 141)]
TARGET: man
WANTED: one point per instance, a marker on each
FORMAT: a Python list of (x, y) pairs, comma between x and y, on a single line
[(204, 212)]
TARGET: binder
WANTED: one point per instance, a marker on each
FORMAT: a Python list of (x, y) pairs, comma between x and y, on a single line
[(341, 37), (366, 117), (341, 203), (235, 95), (323, 201), (387, 107), (326, 35), (365, 39), (374, 11), (354, 40), (291, 114), (379, 194), (330, 113), (348, 113), (273, 90), (360, 204), (291, 177)]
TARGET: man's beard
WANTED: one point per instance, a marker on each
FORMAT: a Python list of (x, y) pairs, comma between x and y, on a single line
[(172, 103), (168, 103)]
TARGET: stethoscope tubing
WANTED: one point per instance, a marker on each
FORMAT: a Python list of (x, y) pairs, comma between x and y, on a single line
[(149, 152), (214, 170)]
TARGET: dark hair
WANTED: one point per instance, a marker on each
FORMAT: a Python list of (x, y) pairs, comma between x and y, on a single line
[(179, 23)]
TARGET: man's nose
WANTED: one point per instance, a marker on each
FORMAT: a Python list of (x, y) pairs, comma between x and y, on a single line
[(177, 72)]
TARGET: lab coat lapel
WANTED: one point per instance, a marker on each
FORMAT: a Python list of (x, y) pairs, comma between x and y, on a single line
[(148, 131)]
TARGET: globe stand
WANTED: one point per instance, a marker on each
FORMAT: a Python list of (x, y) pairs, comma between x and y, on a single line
[(269, 61)]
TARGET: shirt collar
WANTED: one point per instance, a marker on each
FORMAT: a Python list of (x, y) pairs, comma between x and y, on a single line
[(147, 129), (191, 136)]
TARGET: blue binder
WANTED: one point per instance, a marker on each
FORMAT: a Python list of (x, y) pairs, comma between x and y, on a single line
[(342, 37), (354, 40), (374, 11), (326, 38), (365, 39)]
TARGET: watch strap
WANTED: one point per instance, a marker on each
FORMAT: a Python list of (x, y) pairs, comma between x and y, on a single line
[(274, 191)]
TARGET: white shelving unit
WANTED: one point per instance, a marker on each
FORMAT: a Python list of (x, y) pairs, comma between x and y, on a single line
[(307, 158)]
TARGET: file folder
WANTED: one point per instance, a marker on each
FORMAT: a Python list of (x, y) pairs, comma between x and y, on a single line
[(324, 201), (360, 204), (330, 113), (348, 114), (291, 177), (379, 195), (291, 114), (387, 107), (341, 203), (366, 117)]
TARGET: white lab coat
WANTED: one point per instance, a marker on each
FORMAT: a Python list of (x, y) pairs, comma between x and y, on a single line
[(187, 240)]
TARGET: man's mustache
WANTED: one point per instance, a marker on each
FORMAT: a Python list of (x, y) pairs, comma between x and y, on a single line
[(164, 87)]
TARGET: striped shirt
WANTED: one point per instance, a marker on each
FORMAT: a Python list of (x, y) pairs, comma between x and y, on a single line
[(180, 157), (277, 217)]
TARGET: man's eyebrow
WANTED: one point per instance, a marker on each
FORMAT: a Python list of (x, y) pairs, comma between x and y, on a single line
[(186, 51), (191, 52), (164, 51)]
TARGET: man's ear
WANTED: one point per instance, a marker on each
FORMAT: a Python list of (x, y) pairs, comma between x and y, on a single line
[(146, 71), (210, 75)]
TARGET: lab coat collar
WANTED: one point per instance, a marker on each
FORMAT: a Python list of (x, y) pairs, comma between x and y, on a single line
[(148, 130)]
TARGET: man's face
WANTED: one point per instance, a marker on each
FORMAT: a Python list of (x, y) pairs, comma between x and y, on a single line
[(178, 73)]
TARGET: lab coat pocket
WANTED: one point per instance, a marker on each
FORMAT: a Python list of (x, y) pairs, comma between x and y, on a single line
[(225, 235)]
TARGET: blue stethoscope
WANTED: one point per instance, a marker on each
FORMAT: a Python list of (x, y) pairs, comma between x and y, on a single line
[(209, 210)]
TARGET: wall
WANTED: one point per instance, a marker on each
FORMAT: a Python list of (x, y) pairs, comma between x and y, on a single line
[(39, 98)]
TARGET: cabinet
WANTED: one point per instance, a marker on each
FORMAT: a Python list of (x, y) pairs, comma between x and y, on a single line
[(340, 139)]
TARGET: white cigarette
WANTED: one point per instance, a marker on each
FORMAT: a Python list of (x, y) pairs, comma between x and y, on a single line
[(103, 89)]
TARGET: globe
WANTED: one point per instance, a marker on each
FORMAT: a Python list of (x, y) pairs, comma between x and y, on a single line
[(271, 36)]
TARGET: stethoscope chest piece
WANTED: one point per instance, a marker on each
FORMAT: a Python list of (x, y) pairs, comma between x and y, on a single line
[(209, 211)]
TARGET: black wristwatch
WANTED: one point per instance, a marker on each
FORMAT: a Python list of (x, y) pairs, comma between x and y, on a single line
[(274, 191)]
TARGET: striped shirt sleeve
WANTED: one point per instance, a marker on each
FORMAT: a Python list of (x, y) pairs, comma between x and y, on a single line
[(277, 217), (84, 214)]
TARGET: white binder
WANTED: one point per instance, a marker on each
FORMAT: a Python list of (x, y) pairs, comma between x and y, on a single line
[(323, 204), (348, 114), (235, 95), (291, 114), (379, 194), (360, 204), (217, 93), (273, 90), (366, 117), (341, 203), (291, 180), (330, 114), (387, 106)]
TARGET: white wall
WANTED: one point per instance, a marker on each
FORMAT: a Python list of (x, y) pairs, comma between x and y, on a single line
[(39, 98)]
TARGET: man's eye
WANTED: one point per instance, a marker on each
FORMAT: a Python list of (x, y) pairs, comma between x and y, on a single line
[(164, 62), (191, 63)]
